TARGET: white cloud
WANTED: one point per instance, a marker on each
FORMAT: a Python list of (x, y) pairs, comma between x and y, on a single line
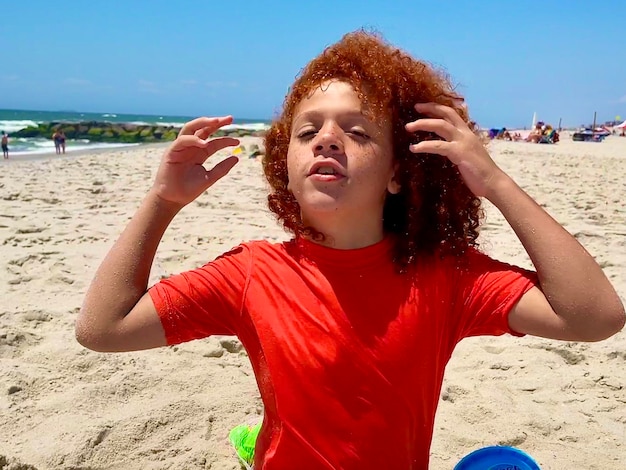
[(189, 82), (622, 99), (9, 78)]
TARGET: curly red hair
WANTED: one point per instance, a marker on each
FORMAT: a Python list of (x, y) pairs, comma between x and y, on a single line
[(435, 212)]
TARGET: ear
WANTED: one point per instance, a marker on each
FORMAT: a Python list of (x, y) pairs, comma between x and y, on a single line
[(393, 187)]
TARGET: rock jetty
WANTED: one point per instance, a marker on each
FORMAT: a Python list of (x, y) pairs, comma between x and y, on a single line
[(96, 131)]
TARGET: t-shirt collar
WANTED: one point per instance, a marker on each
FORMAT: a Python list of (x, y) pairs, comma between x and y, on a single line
[(352, 258)]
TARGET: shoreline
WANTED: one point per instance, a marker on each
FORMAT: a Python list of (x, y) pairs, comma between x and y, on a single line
[(28, 157), (246, 141)]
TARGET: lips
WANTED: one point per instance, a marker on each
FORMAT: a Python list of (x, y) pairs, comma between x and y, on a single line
[(321, 167)]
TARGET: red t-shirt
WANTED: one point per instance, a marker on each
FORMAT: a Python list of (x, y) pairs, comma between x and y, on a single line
[(349, 355)]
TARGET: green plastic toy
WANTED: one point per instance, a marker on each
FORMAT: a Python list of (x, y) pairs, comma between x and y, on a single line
[(243, 438)]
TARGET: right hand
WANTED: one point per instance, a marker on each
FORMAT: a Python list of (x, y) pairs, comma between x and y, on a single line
[(181, 176)]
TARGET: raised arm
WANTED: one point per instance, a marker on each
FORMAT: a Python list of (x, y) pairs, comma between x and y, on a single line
[(117, 314), (576, 301)]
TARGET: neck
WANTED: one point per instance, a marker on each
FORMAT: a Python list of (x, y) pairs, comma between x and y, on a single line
[(347, 233)]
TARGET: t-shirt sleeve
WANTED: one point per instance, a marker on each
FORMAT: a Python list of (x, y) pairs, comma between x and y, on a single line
[(205, 301), (487, 290)]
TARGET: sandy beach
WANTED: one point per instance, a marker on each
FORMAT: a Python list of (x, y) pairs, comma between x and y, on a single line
[(64, 407)]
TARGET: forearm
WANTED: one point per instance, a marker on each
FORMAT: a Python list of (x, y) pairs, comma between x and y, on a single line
[(122, 278), (572, 281)]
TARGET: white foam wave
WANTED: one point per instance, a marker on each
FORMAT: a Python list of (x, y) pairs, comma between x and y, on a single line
[(42, 144), (46, 147), (13, 126), (254, 126), (99, 145), (164, 124), (172, 124)]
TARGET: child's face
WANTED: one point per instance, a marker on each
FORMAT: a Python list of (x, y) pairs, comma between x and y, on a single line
[(338, 160)]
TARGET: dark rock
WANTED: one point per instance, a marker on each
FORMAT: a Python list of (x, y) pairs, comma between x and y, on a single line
[(96, 131), (232, 345)]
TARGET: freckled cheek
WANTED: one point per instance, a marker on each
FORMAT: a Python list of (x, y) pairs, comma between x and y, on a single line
[(371, 166), (294, 173)]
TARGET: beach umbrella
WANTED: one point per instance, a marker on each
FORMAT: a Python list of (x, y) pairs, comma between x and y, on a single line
[(621, 126)]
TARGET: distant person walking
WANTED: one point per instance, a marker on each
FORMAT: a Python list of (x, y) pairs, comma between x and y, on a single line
[(62, 141), (5, 145), (56, 137)]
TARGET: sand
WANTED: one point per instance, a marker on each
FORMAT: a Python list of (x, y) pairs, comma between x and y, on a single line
[(64, 407)]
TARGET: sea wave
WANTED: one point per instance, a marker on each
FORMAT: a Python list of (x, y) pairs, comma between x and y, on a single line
[(20, 146), (254, 126), (157, 123), (10, 126), (167, 124), (13, 126)]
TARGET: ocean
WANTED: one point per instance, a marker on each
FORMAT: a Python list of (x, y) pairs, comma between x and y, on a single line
[(12, 120)]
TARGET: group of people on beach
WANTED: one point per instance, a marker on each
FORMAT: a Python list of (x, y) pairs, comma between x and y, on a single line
[(59, 141), (504, 134), (58, 137), (543, 133)]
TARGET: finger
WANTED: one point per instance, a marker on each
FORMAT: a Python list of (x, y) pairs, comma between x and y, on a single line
[(220, 170), (212, 123), (441, 111), (440, 127), (206, 132), (439, 147), (188, 141), (186, 148), (215, 145), (203, 133)]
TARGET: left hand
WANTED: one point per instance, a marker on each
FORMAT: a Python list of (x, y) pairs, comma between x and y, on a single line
[(461, 146)]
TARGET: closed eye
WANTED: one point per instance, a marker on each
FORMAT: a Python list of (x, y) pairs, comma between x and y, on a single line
[(306, 135), (359, 133)]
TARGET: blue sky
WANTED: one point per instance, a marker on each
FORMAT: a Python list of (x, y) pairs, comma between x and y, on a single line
[(562, 59)]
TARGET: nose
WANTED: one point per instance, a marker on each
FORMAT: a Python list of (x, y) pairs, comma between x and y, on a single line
[(328, 140)]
